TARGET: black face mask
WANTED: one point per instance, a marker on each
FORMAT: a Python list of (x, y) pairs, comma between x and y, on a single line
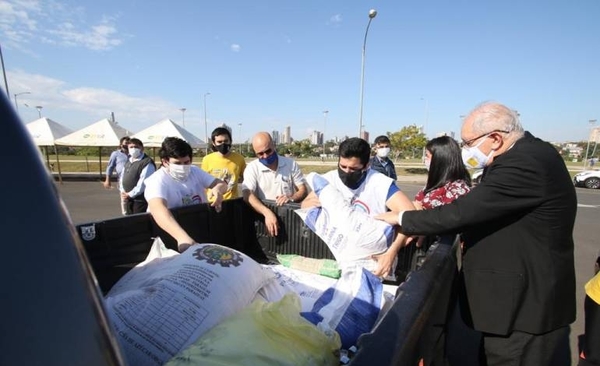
[(352, 180), (223, 148)]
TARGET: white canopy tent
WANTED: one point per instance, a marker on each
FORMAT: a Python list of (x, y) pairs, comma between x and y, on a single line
[(44, 133), (154, 135), (103, 133)]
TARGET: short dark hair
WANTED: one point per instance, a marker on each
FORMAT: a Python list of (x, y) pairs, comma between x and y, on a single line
[(355, 147), (383, 139), (220, 131), (136, 142), (446, 163), (174, 147)]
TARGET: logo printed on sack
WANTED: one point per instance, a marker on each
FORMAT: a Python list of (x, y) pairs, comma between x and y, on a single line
[(216, 254), (359, 205), (88, 232)]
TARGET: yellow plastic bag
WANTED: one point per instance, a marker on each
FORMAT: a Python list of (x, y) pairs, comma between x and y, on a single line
[(264, 334)]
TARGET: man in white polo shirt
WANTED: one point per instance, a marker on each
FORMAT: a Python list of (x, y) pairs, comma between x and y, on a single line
[(271, 177)]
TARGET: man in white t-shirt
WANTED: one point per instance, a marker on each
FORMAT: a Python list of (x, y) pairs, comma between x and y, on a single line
[(179, 183), (367, 190), (271, 177)]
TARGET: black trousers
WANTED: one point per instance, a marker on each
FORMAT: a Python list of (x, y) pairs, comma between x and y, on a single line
[(524, 349), (136, 205)]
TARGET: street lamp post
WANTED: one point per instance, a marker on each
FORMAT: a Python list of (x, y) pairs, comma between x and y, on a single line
[(592, 122), (372, 14), (17, 104), (240, 136), (324, 126), (39, 108), (205, 124), (182, 116)]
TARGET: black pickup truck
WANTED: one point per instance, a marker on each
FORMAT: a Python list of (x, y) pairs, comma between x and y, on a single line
[(55, 274)]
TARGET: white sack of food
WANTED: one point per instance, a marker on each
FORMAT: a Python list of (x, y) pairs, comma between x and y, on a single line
[(162, 307), (350, 234)]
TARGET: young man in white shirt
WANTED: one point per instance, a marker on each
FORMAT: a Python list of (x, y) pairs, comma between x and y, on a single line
[(366, 190), (179, 183)]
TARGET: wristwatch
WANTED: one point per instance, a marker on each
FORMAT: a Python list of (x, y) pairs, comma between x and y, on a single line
[(290, 199)]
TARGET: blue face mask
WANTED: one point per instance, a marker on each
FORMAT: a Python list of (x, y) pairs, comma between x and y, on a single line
[(269, 160)]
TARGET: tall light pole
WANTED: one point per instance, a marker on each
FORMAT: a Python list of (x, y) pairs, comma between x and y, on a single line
[(17, 104), (592, 122), (4, 73), (39, 108), (182, 116), (426, 115), (205, 124), (240, 137), (324, 126), (372, 14)]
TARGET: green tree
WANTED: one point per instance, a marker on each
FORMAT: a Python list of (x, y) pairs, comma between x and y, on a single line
[(408, 142)]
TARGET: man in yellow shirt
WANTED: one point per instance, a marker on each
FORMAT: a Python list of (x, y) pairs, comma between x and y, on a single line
[(223, 163)]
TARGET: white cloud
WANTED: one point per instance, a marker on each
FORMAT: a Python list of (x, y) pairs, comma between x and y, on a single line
[(23, 22), (335, 19), (76, 107), (236, 47)]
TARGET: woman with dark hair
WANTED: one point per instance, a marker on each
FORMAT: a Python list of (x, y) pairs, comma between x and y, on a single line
[(448, 178)]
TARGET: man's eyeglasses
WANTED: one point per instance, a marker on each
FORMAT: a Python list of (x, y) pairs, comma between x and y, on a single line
[(468, 143), (266, 152)]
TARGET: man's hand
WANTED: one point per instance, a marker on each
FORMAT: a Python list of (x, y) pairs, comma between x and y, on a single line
[(124, 195), (282, 200), (385, 263), (218, 196), (107, 184), (390, 217), (271, 223), (310, 201)]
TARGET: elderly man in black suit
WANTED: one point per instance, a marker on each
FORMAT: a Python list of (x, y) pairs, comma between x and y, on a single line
[(517, 282)]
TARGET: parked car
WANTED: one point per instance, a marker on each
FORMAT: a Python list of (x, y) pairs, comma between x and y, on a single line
[(587, 179)]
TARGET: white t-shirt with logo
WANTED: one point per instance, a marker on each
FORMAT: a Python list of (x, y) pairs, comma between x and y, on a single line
[(370, 197), (178, 193)]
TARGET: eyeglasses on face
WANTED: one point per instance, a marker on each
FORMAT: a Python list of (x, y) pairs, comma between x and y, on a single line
[(266, 152), (470, 142)]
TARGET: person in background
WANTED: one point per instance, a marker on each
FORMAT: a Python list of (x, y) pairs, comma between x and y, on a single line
[(381, 162), (179, 183), (132, 184), (223, 163), (366, 190), (447, 177), (517, 279), (116, 162), (271, 177)]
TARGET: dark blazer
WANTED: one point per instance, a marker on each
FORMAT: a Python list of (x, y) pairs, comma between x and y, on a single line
[(518, 269)]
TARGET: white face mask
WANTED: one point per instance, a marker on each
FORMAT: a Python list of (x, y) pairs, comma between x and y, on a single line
[(179, 172), (474, 158), (427, 163), (383, 152), (134, 152)]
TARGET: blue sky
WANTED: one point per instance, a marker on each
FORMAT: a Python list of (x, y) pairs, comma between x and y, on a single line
[(268, 64)]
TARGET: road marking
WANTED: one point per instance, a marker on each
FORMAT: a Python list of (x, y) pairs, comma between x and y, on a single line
[(587, 206)]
